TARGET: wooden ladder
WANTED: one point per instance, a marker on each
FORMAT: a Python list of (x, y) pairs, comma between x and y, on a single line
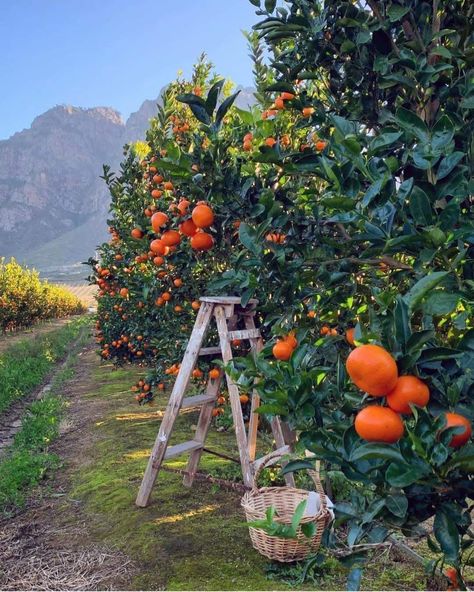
[(227, 312)]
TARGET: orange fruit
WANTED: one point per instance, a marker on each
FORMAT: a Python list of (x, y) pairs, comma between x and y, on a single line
[(282, 350), (244, 399), (454, 420), (408, 389), (170, 238), (197, 373), (168, 186), (291, 339), (308, 111), (166, 296), (183, 206), (203, 216), (247, 146), (279, 103), (248, 137), (158, 220), (188, 228), (158, 261), (320, 145), (178, 282), (287, 96), (221, 400), (311, 314), (178, 308), (350, 336), (137, 233), (157, 246), (157, 179), (214, 373), (124, 292), (215, 412), (156, 193), (195, 305), (372, 369), (325, 330), (270, 142), (379, 424), (202, 241)]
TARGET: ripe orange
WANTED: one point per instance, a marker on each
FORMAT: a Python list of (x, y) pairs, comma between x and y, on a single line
[(158, 261), (188, 228), (197, 373), (170, 238), (157, 246), (248, 137), (203, 216), (454, 420), (157, 179), (183, 206), (279, 103), (379, 424), (195, 305), (270, 142), (221, 400), (137, 233), (247, 146), (372, 369), (291, 339), (156, 193), (214, 373), (325, 330), (311, 314), (166, 296), (124, 292), (202, 241), (244, 399), (308, 111), (168, 186), (282, 350), (408, 389), (215, 412), (287, 96), (158, 220), (178, 282), (178, 308), (320, 145), (350, 336)]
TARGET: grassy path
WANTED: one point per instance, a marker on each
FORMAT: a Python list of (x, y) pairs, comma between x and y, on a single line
[(81, 529)]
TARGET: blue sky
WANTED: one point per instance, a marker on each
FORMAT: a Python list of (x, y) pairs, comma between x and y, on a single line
[(111, 52)]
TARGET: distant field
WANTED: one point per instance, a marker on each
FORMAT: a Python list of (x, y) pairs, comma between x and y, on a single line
[(84, 292)]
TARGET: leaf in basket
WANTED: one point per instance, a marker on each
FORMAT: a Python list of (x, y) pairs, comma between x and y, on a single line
[(309, 529), (298, 515)]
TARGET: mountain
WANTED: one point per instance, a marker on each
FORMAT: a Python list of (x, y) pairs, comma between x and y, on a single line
[(53, 204)]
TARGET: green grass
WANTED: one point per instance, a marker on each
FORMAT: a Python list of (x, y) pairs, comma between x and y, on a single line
[(28, 460), (25, 364)]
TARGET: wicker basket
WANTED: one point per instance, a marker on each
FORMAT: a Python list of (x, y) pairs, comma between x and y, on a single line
[(285, 500)]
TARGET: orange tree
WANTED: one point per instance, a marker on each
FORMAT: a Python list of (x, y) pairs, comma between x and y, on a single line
[(26, 299), (372, 243)]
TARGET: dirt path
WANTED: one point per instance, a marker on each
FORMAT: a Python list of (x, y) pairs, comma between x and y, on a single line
[(82, 531), (9, 339)]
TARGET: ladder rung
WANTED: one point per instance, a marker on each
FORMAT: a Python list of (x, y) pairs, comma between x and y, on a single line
[(209, 351), (283, 450), (244, 334), (178, 449), (197, 401)]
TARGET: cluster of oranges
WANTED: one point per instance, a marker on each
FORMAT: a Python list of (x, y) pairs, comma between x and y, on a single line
[(284, 348), (373, 369)]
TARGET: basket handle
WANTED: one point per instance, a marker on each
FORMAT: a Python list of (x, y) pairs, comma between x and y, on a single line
[(274, 457)]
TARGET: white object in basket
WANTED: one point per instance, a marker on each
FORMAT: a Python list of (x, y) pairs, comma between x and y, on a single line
[(313, 505)]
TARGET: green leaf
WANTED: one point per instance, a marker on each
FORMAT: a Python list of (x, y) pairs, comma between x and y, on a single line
[(224, 107), (401, 475), (420, 207), (298, 515), (384, 141), (402, 321), (373, 191), (197, 106), (353, 579), (397, 504), (422, 287), (373, 450), (297, 465), (447, 535), (248, 237), (212, 96), (448, 163), (396, 12), (440, 303), (435, 354), (410, 122), (270, 5), (308, 529), (405, 189)]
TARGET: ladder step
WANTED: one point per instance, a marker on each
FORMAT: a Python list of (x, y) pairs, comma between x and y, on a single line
[(260, 461), (244, 334), (209, 351), (178, 449), (197, 401)]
